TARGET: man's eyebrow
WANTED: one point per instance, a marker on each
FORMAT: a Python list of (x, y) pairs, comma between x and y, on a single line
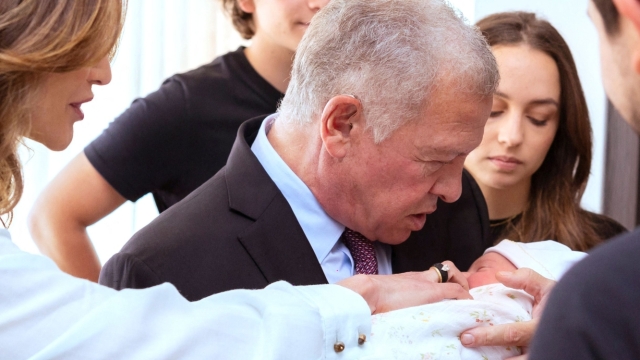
[(431, 152), (545, 101)]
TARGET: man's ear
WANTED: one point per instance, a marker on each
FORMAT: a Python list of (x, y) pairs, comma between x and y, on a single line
[(630, 9), (341, 115), (247, 6)]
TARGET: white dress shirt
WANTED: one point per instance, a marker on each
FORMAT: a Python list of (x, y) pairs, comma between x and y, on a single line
[(47, 314), (321, 230)]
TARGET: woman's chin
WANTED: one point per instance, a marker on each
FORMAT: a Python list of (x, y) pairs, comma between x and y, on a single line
[(500, 181), (54, 143)]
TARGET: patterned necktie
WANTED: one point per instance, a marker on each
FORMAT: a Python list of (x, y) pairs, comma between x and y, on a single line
[(362, 252)]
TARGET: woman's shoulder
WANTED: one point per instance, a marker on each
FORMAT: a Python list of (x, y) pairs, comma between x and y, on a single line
[(605, 227)]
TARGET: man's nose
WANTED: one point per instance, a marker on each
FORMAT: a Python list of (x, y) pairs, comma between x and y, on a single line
[(100, 73), (449, 185), (511, 132)]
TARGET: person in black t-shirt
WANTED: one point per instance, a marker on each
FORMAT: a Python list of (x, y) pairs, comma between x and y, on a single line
[(173, 140), (535, 157)]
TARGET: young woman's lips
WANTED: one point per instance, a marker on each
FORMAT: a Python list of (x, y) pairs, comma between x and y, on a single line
[(505, 162)]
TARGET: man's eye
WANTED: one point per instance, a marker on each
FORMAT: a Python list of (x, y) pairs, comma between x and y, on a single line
[(429, 167)]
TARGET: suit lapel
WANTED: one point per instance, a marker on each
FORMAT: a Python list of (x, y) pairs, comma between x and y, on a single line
[(279, 247), (275, 241)]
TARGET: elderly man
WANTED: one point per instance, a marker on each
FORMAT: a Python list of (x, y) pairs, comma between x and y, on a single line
[(386, 99), (593, 312)]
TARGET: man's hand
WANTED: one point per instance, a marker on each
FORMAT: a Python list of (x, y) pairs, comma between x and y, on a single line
[(514, 334), (391, 292)]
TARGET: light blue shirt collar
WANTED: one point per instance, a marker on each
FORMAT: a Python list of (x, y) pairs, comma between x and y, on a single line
[(320, 229), (322, 232)]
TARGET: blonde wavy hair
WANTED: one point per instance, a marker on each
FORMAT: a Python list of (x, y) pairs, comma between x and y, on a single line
[(39, 37)]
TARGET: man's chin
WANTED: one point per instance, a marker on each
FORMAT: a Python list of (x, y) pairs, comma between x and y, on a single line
[(396, 237)]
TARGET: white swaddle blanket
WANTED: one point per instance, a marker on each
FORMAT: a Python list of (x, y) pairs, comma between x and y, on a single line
[(432, 331)]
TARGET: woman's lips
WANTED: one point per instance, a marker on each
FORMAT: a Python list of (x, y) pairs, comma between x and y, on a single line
[(76, 107), (77, 110), (505, 162)]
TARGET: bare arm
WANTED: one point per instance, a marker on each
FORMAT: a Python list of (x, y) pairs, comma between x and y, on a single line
[(76, 198)]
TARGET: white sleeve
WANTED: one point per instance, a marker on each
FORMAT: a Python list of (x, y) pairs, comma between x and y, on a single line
[(46, 314)]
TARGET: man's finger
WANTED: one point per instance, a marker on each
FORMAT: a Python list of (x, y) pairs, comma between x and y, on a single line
[(514, 334), (431, 275), (454, 291), (528, 280), (455, 276), (520, 357)]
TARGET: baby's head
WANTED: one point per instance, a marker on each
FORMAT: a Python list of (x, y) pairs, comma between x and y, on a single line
[(548, 258), (483, 270)]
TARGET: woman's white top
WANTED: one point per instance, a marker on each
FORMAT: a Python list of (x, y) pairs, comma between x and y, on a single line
[(47, 314)]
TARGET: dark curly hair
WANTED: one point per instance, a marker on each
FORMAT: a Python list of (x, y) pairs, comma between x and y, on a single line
[(242, 21)]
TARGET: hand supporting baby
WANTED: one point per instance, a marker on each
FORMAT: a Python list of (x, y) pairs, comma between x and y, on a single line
[(391, 292), (518, 333)]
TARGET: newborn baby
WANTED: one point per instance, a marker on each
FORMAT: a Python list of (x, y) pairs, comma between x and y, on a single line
[(432, 331)]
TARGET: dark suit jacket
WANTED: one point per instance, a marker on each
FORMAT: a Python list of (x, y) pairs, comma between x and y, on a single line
[(238, 231)]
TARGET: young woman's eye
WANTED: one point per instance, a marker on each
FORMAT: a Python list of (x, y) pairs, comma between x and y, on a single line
[(537, 122), (495, 113)]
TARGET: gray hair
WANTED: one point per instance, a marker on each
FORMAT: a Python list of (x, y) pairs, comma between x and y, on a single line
[(391, 55)]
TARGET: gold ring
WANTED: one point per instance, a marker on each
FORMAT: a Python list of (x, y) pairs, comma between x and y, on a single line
[(437, 272)]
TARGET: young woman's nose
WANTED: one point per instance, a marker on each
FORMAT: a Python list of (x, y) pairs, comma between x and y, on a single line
[(100, 73), (317, 5), (511, 132)]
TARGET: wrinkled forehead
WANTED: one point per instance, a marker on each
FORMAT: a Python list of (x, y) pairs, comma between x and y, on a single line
[(456, 124)]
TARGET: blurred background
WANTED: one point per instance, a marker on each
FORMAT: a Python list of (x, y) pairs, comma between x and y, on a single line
[(163, 37)]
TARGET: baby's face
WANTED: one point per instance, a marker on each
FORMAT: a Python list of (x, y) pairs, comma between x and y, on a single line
[(483, 271)]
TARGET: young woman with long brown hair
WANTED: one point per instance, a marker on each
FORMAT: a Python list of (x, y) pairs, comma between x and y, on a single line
[(534, 160), (51, 54)]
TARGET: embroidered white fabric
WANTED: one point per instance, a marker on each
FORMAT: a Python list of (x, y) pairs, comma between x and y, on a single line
[(432, 331)]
